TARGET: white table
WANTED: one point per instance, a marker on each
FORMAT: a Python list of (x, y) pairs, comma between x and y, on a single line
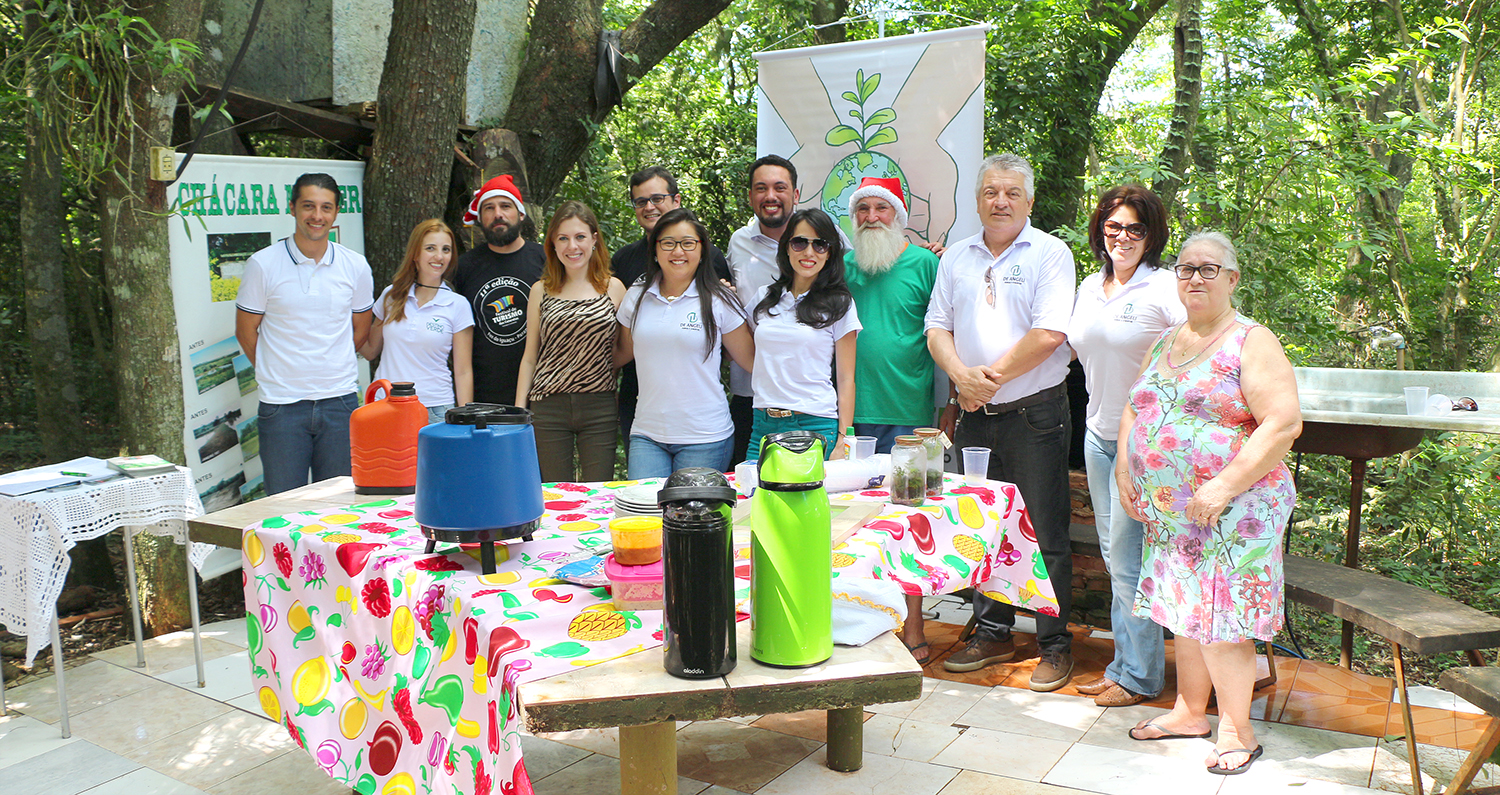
[(38, 529)]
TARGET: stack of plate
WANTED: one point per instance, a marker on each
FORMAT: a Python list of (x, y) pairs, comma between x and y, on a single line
[(637, 501)]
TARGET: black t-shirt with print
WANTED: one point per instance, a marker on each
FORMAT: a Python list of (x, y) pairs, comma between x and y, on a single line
[(497, 286)]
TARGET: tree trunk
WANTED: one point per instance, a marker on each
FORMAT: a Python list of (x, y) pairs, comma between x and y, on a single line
[(46, 282), (421, 103), (553, 107), (1187, 69), (824, 12), (137, 267)]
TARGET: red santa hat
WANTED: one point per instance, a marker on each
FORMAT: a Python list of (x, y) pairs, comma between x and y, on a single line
[(881, 188), (502, 185)]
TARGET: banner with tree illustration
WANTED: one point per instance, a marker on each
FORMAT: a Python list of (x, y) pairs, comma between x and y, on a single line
[(906, 107)]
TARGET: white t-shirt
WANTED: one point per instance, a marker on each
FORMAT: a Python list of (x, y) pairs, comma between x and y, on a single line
[(793, 361), (1032, 282), (416, 348), (306, 345), (1112, 335), (752, 260), (681, 400)]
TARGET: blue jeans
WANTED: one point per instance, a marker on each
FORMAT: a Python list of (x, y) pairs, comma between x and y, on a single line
[(302, 436), (1029, 447), (650, 459), (885, 435), (766, 425), (1140, 663), (436, 415)]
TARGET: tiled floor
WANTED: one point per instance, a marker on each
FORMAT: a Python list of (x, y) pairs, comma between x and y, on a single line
[(1324, 729)]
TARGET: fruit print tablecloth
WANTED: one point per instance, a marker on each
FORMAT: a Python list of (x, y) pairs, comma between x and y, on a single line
[(397, 670)]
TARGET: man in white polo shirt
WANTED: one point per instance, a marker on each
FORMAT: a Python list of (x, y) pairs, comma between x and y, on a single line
[(303, 310), (996, 325)]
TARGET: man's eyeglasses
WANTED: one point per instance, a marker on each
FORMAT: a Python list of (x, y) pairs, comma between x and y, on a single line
[(686, 244), (1136, 231), (640, 202), (1207, 271), (799, 244)]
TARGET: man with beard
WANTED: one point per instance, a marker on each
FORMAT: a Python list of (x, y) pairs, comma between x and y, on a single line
[(496, 278), (891, 281), (653, 192), (752, 257)]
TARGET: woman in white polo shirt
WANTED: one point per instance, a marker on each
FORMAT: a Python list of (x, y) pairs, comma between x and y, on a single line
[(672, 322), (1118, 313), (420, 322), (805, 328)]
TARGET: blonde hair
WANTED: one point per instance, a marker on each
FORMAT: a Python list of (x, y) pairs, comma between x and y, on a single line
[(406, 275), (553, 273)]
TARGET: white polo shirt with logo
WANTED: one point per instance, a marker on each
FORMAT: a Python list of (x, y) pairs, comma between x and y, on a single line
[(416, 348), (1032, 283), (306, 345), (793, 360), (1112, 335), (681, 400)]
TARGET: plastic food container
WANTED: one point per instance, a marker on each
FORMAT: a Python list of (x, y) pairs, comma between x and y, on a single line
[(636, 540), (634, 587)]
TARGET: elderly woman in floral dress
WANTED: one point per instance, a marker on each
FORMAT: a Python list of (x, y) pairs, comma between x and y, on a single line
[(1208, 423)]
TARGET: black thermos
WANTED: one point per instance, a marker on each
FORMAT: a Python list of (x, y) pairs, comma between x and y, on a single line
[(697, 555)]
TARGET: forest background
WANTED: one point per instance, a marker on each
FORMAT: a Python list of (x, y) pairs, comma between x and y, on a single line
[(1348, 148)]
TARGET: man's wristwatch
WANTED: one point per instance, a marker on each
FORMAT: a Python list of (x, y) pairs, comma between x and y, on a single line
[(953, 401)]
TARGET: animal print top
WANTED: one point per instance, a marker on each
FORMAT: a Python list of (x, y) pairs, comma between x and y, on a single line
[(576, 353)]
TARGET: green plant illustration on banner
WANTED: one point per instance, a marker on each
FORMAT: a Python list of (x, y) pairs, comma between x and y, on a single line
[(874, 130)]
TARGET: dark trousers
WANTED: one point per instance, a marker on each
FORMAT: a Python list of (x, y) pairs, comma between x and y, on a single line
[(742, 412), (1029, 447)]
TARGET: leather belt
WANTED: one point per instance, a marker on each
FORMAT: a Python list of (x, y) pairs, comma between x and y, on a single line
[(1050, 393)]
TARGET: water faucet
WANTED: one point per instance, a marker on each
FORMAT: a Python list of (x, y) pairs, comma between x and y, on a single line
[(1382, 337)]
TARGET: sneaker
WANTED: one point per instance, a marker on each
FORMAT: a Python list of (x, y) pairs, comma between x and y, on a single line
[(980, 652), (1052, 672)]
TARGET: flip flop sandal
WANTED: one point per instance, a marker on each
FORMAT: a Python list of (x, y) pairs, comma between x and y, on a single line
[(1235, 771), (924, 659), (1167, 735)]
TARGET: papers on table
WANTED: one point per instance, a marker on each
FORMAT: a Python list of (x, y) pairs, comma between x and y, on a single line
[(79, 470)]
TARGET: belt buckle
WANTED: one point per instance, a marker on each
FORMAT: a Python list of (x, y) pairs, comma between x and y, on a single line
[(779, 414)]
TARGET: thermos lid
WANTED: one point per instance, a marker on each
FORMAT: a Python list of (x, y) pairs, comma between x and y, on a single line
[(403, 389), (696, 483), (485, 414)]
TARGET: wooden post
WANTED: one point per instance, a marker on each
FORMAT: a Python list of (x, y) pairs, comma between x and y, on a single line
[(846, 739), (648, 759)]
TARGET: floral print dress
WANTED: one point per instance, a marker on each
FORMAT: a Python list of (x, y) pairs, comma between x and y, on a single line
[(1218, 583)]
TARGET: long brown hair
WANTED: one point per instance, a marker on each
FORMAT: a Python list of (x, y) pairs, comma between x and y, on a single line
[(553, 275), (406, 275)]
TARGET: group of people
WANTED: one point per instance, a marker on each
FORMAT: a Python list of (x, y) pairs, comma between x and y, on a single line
[(1190, 512)]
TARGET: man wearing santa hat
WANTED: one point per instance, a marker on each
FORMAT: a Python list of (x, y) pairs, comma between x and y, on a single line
[(496, 279), (891, 281)]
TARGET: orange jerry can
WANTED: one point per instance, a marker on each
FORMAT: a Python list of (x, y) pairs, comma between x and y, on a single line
[(383, 439)]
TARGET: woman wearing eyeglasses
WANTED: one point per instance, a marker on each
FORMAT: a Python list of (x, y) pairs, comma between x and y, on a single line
[(567, 375), (672, 323), (805, 327), (1118, 312), (1209, 420)]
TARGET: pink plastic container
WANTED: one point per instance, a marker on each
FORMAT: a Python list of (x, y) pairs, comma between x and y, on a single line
[(634, 587)]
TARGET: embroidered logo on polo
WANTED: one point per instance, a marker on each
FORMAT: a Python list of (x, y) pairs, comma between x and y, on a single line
[(690, 322), (501, 305), (1013, 276), (436, 326), (1126, 315)]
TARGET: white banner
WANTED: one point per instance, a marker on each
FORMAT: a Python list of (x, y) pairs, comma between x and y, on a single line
[(909, 107), (229, 208)]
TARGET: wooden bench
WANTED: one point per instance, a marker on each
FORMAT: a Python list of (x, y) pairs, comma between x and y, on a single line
[(1480, 687), (1408, 617)]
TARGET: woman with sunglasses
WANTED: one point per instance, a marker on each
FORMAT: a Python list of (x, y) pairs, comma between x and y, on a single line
[(1209, 420), (805, 327), (567, 375), (1118, 312), (672, 323)]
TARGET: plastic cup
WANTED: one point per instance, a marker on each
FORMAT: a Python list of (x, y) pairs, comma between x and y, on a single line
[(864, 447), (1416, 401), (976, 465)]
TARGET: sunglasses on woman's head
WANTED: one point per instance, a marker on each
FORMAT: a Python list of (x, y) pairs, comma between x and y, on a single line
[(799, 244)]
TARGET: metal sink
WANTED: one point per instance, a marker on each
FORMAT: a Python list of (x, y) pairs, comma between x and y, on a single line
[(1375, 399)]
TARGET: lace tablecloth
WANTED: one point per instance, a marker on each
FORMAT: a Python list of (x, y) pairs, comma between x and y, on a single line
[(38, 529), (397, 670)]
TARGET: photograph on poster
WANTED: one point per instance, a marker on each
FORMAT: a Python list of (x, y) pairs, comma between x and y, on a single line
[(254, 489), (249, 433), (218, 435), (227, 252), (225, 493), (245, 372), (215, 364)]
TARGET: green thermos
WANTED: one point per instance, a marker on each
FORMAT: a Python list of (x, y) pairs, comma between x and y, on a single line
[(791, 555)]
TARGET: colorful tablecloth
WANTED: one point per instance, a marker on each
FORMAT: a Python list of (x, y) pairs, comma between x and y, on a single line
[(397, 670)]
